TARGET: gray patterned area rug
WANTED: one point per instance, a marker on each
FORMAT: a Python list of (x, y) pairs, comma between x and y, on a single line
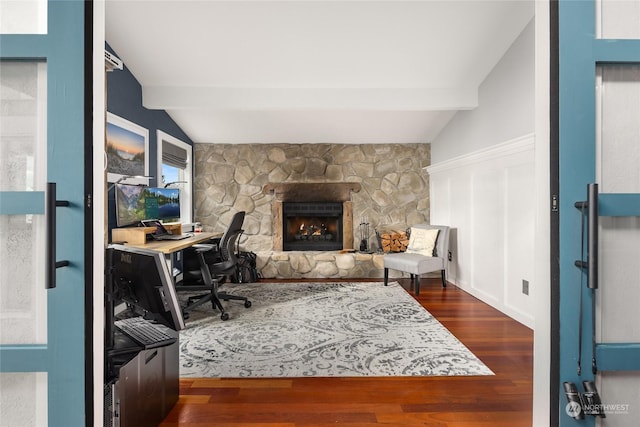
[(322, 330)]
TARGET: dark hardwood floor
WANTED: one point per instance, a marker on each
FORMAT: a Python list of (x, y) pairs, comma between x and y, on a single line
[(503, 399)]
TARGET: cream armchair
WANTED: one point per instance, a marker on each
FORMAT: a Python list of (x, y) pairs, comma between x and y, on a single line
[(428, 251)]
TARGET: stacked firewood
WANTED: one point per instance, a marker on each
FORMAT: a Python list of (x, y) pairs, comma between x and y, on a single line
[(393, 240)]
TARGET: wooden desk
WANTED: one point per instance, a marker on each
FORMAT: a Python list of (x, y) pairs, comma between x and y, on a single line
[(168, 247), (171, 247)]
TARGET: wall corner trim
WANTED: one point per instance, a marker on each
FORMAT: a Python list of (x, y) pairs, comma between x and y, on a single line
[(514, 146)]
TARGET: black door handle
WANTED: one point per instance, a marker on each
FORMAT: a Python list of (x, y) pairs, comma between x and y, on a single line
[(591, 264), (51, 264), (592, 244)]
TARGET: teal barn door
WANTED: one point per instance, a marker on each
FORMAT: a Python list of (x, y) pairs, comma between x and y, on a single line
[(599, 222), (42, 214)]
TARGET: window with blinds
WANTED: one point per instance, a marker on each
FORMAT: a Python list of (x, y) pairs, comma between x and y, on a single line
[(173, 155), (176, 171)]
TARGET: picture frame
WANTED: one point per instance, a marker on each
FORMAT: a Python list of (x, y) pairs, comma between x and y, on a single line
[(126, 151)]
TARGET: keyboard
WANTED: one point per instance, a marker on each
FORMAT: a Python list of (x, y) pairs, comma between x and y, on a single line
[(171, 236), (144, 332)]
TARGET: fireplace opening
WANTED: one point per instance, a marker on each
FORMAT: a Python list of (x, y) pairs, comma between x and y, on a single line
[(312, 226)]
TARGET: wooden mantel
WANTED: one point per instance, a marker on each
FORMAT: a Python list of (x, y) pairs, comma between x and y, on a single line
[(312, 191)]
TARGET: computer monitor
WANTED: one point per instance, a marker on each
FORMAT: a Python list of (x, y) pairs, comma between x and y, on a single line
[(136, 203), (141, 279), (130, 204), (168, 204)]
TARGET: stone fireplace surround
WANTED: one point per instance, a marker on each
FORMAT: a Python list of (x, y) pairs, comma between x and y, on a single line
[(393, 189), (311, 192)]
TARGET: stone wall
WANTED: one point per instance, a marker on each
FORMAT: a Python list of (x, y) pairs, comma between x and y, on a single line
[(230, 178)]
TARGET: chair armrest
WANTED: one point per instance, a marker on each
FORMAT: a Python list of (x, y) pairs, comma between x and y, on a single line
[(204, 247)]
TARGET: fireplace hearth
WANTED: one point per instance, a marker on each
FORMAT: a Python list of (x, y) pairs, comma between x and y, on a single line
[(312, 226)]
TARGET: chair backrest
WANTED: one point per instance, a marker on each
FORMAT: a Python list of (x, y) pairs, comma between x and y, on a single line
[(442, 244), (230, 237)]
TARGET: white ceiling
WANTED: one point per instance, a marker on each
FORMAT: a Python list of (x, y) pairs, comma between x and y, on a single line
[(312, 71)]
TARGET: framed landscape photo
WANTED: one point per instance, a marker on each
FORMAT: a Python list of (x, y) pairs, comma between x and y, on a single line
[(127, 150)]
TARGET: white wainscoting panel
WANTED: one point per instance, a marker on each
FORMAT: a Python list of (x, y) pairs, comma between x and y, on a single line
[(487, 233), (519, 235), (487, 198)]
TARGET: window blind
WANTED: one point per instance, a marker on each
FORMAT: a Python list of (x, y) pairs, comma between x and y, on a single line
[(173, 155)]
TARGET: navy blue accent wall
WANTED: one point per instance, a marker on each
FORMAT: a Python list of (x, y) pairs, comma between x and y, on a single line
[(124, 99)]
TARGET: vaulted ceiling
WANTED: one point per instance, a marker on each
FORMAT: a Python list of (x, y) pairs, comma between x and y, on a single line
[(312, 71)]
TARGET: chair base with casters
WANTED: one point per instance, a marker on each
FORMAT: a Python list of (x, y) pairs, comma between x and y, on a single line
[(417, 264), (208, 283), (222, 262)]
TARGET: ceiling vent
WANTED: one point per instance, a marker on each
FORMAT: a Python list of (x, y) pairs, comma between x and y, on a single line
[(112, 62)]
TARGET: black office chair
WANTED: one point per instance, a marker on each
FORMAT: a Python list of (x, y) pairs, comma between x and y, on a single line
[(214, 264)]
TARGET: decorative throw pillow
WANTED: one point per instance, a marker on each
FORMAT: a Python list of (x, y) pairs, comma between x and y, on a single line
[(422, 241)]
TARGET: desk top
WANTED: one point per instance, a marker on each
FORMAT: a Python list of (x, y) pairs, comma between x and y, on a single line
[(170, 246)]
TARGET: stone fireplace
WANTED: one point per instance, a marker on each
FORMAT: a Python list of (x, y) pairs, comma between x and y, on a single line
[(312, 216), (384, 183)]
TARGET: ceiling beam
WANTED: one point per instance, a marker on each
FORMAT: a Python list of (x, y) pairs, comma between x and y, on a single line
[(259, 99)]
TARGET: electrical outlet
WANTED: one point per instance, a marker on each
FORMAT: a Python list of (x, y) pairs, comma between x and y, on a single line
[(449, 256), (525, 287)]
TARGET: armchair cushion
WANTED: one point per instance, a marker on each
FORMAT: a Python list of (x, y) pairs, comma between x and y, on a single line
[(422, 241), (413, 263)]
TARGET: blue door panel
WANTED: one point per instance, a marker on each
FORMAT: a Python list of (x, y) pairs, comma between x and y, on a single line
[(24, 358), (627, 204), (63, 357), (616, 51), (579, 55), (618, 357), (21, 202)]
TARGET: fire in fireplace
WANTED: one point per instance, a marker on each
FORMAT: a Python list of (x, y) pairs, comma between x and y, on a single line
[(312, 226)]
